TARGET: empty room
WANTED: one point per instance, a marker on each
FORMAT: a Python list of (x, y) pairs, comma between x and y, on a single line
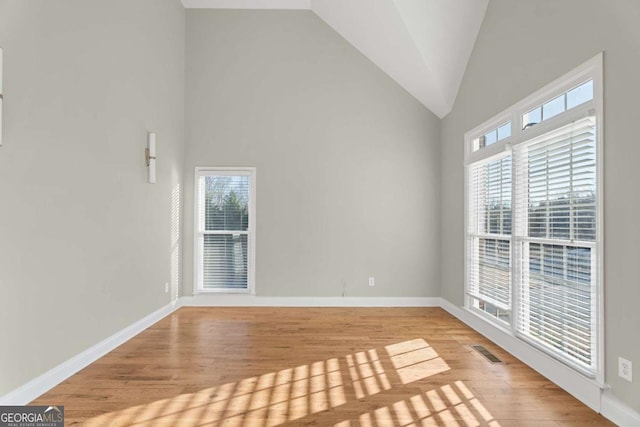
[(319, 212)]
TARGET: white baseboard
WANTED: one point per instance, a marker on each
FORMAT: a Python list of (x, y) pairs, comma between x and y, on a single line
[(584, 389), (43, 383), (230, 300), (617, 412)]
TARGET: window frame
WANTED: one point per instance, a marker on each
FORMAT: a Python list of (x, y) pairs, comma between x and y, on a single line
[(590, 70), (198, 231)]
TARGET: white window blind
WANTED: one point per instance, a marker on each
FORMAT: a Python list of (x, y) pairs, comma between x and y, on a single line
[(224, 230), (489, 245), (556, 231)]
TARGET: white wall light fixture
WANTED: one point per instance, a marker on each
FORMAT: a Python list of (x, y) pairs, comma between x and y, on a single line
[(150, 156), (1, 96)]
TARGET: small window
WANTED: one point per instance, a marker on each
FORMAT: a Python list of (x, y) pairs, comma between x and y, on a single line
[(570, 99), (504, 131), (580, 94), (532, 118), (553, 107), (493, 136), (225, 230)]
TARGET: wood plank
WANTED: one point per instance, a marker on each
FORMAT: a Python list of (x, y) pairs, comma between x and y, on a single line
[(267, 367)]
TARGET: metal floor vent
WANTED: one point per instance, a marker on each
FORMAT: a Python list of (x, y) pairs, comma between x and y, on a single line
[(486, 353)]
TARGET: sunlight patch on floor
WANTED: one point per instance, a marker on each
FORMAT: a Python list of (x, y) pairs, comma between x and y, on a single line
[(274, 398), (294, 393), (415, 360), (452, 405), (367, 375)]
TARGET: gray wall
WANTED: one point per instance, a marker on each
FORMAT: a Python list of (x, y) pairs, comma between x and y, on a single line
[(86, 244), (522, 46), (348, 174)]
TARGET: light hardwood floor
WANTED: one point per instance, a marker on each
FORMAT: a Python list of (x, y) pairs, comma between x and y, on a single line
[(312, 366)]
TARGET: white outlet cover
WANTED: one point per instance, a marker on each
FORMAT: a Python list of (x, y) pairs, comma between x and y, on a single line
[(372, 281), (625, 369)]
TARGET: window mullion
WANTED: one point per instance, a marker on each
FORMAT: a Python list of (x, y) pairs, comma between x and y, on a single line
[(515, 246), (571, 192), (520, 231)]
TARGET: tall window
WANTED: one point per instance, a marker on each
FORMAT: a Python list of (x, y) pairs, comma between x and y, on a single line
[(225, 228), (489, 237), (533, 235)]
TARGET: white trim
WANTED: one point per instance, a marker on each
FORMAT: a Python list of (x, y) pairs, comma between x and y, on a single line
[(247, 4), (597, 66), (616, 411), (259, 301), (582, 388), (43, 383)]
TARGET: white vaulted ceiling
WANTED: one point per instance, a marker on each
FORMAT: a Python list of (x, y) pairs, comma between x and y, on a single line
[(424, 45)]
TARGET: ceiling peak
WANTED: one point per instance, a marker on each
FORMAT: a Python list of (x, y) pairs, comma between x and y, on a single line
[(424, 45)]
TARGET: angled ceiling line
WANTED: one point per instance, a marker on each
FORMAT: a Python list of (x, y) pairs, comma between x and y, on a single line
[(423, 45)]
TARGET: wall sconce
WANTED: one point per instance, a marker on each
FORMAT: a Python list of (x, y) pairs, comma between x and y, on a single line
[(1, 97), (150, 156)]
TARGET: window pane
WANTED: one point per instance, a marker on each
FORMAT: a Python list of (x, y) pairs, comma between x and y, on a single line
[(553, 107), (493, 310), (226, 203), (579, 265), (504, 131), (489, 272), (580, 95), (224, 261), (497, 196), (531, 118), (535, 258), (491, 137), (558, 299), (584, 216), (562, 185), (493, 271)]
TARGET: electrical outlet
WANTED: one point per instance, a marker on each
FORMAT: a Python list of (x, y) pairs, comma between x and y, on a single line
[(372, 281), (625, 369), (166, 288)]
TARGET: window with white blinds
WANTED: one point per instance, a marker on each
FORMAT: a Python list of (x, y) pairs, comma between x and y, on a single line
[(533, 234), (489, 237), (225, 218), (556, 232)]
